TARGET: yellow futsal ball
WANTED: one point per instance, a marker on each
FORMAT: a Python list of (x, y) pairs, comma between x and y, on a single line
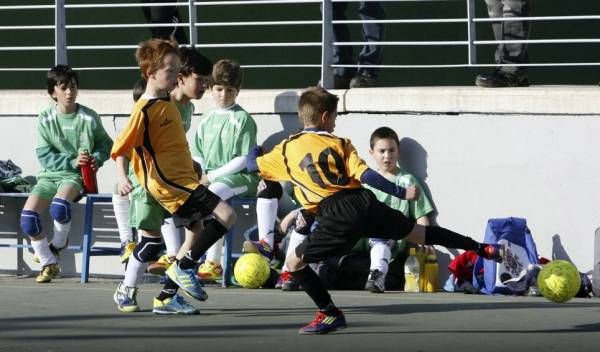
[(252, 270), (559, 281)]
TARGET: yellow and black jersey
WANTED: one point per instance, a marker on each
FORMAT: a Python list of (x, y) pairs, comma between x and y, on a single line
[(154, 141), (317, 162)]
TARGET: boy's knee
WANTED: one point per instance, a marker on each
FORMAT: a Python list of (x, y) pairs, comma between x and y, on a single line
[(148, 249), (31, 223), (294, 263), (60, 210)]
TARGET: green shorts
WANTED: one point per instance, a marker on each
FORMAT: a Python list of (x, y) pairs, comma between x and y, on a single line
[(48, 183), (145, 213), (244, 184)]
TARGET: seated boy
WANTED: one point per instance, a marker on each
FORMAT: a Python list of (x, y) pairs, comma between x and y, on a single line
[(70, 135), (328, 175)]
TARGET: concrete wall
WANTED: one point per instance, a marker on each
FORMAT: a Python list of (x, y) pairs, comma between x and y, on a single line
[(529, 153)]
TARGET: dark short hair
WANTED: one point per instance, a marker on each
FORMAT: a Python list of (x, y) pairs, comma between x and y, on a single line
[(138, 89), (384, 133), (227, 72), (59, 75), (313, 102), (194, 62)]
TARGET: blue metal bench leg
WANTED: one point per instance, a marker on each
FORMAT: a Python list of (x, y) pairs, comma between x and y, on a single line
[(87, 240), (227, 257)]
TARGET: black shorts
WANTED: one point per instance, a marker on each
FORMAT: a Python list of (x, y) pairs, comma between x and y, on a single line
[(201, 203), (347, 216)]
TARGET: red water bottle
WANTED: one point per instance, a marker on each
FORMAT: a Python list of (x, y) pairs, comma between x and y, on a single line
[(90, 185)]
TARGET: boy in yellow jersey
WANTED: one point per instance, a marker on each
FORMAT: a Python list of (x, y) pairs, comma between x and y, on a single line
[(328, 175), (154, 141)]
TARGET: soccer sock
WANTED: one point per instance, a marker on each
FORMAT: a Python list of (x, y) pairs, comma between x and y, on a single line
[(312, 285), (449, 239), (121, 209), (380, 257), (171, 236), (215, 251), (295, 240), (135, 270), (266, 214), (61, 232), (43, 251), (213, 231), (169, 290)]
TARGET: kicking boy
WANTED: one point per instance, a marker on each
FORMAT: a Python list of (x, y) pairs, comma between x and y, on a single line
[(221, 145), (69, 136), (154, 141), (385, 150), (328, 174)]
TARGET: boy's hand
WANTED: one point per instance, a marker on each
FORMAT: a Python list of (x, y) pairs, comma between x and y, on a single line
[(85, 158), (412, 193), (124, 186)]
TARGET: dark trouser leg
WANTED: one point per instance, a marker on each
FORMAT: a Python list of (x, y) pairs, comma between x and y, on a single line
[(315, 289), (341, 33), (372, 32), (511, 30)]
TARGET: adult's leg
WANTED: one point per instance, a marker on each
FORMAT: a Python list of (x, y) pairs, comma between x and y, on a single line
[(371, 54)]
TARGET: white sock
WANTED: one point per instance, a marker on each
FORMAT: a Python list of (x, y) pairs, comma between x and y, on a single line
[(380, 257), (213, 254), (266, 215), (43, 251), (121, 209), (135, 270), (61, 232), (295, 240), (171, 236)]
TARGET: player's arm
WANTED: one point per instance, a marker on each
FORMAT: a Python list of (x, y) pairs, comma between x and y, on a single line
[(233, 166), (131, 137), (124, 185)]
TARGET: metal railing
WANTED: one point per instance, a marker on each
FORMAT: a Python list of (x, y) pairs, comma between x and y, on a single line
[(61, 46)]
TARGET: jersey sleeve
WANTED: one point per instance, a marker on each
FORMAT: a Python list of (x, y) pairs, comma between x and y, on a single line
[(355, 165), (271, 166), (49, 157), (246, 136), (102, 142), (131, 137)]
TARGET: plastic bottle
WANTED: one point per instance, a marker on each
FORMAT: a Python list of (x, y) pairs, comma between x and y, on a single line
[(430, 281), (412, 271), (88, 175), (596, 272)]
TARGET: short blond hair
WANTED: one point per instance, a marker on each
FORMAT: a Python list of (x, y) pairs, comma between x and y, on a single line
[(313, 102), (150, 55)]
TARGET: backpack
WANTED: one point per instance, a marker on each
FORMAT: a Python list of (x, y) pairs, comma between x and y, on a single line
[(520, 251)]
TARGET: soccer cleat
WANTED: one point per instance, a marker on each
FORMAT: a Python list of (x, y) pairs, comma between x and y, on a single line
[(175, 305), (48, 273), (161, 265), (375, 282), (210, 271), (286, 282), (260, 247), (363, 80), (125, 298), (492, 252), (323, 324), (126, 250), (54, 250), (187, 280)]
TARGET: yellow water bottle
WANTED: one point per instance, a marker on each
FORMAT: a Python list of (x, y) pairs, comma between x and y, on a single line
[(430, 272), (412, 272)]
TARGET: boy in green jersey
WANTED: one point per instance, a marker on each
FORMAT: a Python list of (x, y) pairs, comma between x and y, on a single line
[(221, 144), (69, 135)]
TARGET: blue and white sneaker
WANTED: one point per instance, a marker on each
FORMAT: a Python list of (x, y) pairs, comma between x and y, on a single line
[(125, 298), (188, 281), (175, 305)]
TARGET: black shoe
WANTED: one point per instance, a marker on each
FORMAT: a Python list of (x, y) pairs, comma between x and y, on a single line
[(500, 79), (341, 82), (363, 80)]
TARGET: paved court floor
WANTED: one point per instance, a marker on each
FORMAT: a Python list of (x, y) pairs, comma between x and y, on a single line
[(67, 316)]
